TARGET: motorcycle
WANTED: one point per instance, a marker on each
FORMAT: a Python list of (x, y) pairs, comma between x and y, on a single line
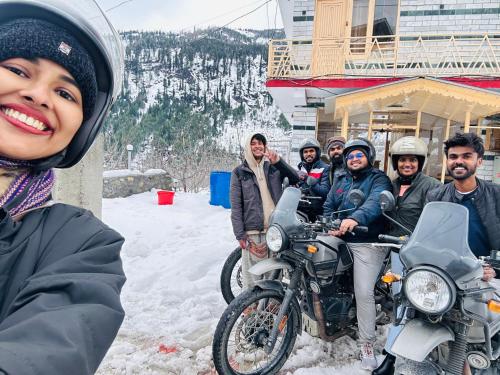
[(231, 282), (447, 313), (257, 331)]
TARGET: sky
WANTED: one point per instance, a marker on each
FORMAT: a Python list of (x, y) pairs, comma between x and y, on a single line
[(186, 15)]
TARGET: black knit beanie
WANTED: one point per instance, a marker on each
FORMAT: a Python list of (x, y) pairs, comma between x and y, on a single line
[(32, 38)]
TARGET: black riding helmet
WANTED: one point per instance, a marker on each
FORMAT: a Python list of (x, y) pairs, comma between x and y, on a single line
[(84, 21), (361, 143)]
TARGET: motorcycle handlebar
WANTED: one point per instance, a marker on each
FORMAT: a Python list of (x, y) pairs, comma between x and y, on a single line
[(391, 239), (360, 229)]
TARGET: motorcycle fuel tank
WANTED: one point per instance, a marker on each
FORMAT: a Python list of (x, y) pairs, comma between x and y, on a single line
[(333, 255)]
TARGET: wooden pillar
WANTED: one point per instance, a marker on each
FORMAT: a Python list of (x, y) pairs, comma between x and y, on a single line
[(428, 165), (370, 124), (467, 122), (419, 119), (487, 141), (479, 124), (446, 135), (345, 124)]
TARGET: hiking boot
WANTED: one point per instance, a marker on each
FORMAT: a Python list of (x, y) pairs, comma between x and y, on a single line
[(387, 366), (368, 360)]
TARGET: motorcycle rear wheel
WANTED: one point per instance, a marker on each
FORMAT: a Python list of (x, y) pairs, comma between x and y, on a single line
[(231, 281), (238, 346)]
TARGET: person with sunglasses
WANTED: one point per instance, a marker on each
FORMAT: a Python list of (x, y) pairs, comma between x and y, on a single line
[(359, 157)]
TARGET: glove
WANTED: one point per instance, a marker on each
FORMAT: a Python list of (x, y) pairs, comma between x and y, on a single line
[(302, 175), (311, 181)]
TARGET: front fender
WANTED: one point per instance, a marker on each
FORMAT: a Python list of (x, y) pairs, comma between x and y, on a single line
[(418, 338), (268, 265), (280, 288)]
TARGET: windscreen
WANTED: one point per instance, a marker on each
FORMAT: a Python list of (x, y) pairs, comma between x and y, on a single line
[(285, 213), (441, 239)]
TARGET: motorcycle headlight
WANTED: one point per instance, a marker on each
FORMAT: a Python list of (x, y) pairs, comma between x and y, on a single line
[(429, 291), (275, 238)]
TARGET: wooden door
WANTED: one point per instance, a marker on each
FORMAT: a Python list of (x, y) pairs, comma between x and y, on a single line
[(331, 27)]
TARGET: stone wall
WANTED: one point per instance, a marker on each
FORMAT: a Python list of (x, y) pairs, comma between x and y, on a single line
[(304, 126), (445, 16), (122, 183), (485, 172), (303, 19)]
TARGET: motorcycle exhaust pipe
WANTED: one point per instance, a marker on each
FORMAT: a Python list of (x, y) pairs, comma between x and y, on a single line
[(318, 313)]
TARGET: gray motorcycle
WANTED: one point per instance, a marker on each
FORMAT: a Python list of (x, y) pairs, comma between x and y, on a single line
[(447, 313), (257, 331)]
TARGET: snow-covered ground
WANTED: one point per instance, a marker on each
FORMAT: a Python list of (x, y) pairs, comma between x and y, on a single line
[(173, 256)]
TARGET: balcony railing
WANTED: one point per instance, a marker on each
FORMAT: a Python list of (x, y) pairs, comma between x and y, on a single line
[(386, 56)]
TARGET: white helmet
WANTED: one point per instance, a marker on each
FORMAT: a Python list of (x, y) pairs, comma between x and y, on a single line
[(85, 22), (409, 145)]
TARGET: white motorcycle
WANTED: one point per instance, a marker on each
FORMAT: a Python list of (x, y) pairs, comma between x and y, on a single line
[(448, 314)]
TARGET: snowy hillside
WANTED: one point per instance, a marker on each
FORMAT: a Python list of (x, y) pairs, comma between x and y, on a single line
[(172, 257), (216, 77)]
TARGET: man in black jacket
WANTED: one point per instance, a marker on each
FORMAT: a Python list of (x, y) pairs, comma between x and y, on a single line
[(464, 154), (334, 149), (312, 166), (256, 187)]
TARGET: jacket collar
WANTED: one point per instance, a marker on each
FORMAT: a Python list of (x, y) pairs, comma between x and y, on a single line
[(247, 168)]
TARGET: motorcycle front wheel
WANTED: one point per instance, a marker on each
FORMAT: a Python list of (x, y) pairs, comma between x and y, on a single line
[(242, 333), (231, 281)]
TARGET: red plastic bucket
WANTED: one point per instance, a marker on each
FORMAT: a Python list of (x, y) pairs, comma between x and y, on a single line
[(165, 197)]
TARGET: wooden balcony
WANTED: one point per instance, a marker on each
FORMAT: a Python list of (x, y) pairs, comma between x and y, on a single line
[(406, 55)]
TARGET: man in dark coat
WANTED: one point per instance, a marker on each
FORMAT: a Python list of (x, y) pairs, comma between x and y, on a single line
[(464, 154), (359, 156), (334, 150), (256, 187), (318, 185)]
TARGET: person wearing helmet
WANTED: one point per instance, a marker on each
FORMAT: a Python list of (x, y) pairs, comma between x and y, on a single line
[(334, 150), (410, 188), (318, 184), (61, 272), (359, 156)]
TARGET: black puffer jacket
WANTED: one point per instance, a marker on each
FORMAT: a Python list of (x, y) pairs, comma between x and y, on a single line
[(247, 212), (410, 205), (60, 282), (487, 202)]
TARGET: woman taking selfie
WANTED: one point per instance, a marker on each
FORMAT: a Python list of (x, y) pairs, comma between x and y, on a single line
[(60, 268)]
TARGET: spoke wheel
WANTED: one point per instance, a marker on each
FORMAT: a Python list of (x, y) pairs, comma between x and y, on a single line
[(231, 280), (243, 330)]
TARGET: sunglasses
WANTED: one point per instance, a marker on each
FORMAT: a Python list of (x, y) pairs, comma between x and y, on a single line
[(357, 155)]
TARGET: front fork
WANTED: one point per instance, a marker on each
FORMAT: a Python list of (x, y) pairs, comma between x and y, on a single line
[(458, 351), (289, 295)]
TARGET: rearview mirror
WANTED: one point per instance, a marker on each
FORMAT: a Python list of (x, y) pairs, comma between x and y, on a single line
[(387, 201), (356, 197), (286, 183)]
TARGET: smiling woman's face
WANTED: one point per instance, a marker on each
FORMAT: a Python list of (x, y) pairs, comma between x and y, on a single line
[(40, 108)]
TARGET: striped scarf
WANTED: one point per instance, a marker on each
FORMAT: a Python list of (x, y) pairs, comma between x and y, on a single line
[(28, 189)]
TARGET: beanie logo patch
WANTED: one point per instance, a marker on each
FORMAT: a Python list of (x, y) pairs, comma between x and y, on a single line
[(65, 48)]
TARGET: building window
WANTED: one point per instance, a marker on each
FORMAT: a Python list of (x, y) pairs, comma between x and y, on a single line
[(386, 17), (359, 28)]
